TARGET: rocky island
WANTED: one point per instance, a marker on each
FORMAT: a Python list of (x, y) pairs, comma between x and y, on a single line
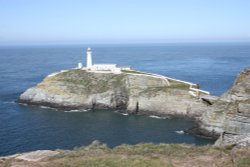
[(107, 86), (133, 91)]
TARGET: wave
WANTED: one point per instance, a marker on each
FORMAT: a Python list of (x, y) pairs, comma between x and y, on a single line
[(24, 104), (179, 131), (157, 117), (122, 113), (45, 107), (9, 102), (82, 110)]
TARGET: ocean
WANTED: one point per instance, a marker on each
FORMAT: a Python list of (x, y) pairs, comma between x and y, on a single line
[(213, 66)]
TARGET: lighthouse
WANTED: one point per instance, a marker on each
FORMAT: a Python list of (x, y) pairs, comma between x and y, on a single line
[(89, 58), (101, 68)]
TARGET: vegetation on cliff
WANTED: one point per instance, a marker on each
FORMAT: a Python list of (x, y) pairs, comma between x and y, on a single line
[(132, 91)]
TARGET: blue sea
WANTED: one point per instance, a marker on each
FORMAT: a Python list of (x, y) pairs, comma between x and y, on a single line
[(213, 66)]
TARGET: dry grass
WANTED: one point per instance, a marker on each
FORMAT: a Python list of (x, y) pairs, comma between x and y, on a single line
[(143, 155)]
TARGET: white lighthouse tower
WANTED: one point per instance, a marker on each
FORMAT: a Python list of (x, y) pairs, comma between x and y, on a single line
[(89, 58)]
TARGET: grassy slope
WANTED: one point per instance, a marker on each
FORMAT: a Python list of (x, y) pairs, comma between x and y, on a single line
[(81, 82), (173, 84), (142, 155)]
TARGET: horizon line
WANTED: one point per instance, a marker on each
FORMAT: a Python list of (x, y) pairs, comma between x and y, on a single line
[(116, 43)]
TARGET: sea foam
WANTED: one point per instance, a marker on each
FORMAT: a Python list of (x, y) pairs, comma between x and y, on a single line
[(157, 117), (179, 131)]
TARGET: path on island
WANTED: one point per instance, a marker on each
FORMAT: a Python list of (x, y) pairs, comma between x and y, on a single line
[(194, 91)]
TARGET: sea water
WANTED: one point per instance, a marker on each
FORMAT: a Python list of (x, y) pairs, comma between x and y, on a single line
[(213, 66)]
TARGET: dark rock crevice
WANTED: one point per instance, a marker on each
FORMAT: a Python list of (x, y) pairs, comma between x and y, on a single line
[(202, 133)]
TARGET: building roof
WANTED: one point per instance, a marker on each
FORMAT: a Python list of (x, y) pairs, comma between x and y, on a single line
[(104, 64)]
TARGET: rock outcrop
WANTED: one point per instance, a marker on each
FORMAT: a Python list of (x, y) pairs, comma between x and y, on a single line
[(230, 114), (232, 139), (36, 155), (76, 89)]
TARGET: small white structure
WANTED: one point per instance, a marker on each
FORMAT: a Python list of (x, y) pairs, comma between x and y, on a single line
[(79, 65), (127, 68)]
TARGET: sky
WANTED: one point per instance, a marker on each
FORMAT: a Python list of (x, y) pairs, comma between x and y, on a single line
[(124, 21)]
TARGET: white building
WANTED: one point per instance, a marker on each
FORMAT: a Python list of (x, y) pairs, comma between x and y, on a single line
[(99, 67), (79, 65)]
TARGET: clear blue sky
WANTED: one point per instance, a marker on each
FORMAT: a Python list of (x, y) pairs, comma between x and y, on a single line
[(85, 21)]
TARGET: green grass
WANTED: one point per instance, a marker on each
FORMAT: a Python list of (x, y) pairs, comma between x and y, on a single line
[(245, 162), (174, 84), (142, 155), (165, 149), (133, 72), (114, 161), (178, 85), (88, 82), (82, 82)]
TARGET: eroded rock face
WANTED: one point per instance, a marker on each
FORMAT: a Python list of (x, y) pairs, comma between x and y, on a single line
[(144, 94), (232, 139), (231, 112)]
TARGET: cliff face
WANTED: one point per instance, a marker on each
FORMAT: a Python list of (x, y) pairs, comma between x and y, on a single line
[(231, 112), (75, 89)]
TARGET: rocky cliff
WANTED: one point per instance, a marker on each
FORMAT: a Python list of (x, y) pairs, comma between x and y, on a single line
[(230, 114), (131, 91)]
